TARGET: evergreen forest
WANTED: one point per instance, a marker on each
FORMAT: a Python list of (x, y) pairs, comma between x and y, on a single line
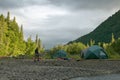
[(12, 43)]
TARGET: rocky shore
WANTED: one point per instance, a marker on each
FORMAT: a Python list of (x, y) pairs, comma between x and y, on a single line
[(26, 69)]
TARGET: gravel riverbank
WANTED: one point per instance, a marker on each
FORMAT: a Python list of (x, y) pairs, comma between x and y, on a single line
[(25, 69)]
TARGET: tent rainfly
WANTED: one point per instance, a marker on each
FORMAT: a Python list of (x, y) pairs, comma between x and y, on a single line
[(60, 54), (94, 52)]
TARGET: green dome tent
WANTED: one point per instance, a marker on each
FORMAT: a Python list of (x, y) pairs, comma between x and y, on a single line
[(60, 54), (94, 52)]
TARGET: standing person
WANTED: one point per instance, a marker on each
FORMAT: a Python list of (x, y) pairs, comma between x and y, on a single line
[(36, 58)]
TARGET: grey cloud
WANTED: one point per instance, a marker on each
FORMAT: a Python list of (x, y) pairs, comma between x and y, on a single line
[(69, 4), (87, 4), (62, 29), (61, 36), (12, 4)]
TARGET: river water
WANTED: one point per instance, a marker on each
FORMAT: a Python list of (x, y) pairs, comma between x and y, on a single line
[(103, 77)]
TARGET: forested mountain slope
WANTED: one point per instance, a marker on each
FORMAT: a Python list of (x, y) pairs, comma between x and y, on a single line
[(104, 31)]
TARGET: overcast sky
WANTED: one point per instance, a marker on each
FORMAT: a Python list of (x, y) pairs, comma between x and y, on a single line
[(59, 21)]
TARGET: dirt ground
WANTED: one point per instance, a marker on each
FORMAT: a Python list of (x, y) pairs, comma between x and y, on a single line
[(27, 69)]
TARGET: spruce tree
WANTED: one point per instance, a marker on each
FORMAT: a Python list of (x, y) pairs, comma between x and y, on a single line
[(3, 38), (113, 38), (21, 33), (36, 40)]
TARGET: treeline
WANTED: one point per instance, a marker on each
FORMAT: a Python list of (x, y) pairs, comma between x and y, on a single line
[(74, 49), (12, 41)]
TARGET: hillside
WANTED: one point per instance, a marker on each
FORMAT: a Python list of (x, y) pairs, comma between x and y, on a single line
[(104, 31)]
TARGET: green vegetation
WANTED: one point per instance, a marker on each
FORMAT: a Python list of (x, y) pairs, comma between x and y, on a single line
[(73, 50), (113, 49), (12, 41)]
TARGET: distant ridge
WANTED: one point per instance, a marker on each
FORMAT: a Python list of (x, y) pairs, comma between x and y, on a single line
[(104, 31)]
